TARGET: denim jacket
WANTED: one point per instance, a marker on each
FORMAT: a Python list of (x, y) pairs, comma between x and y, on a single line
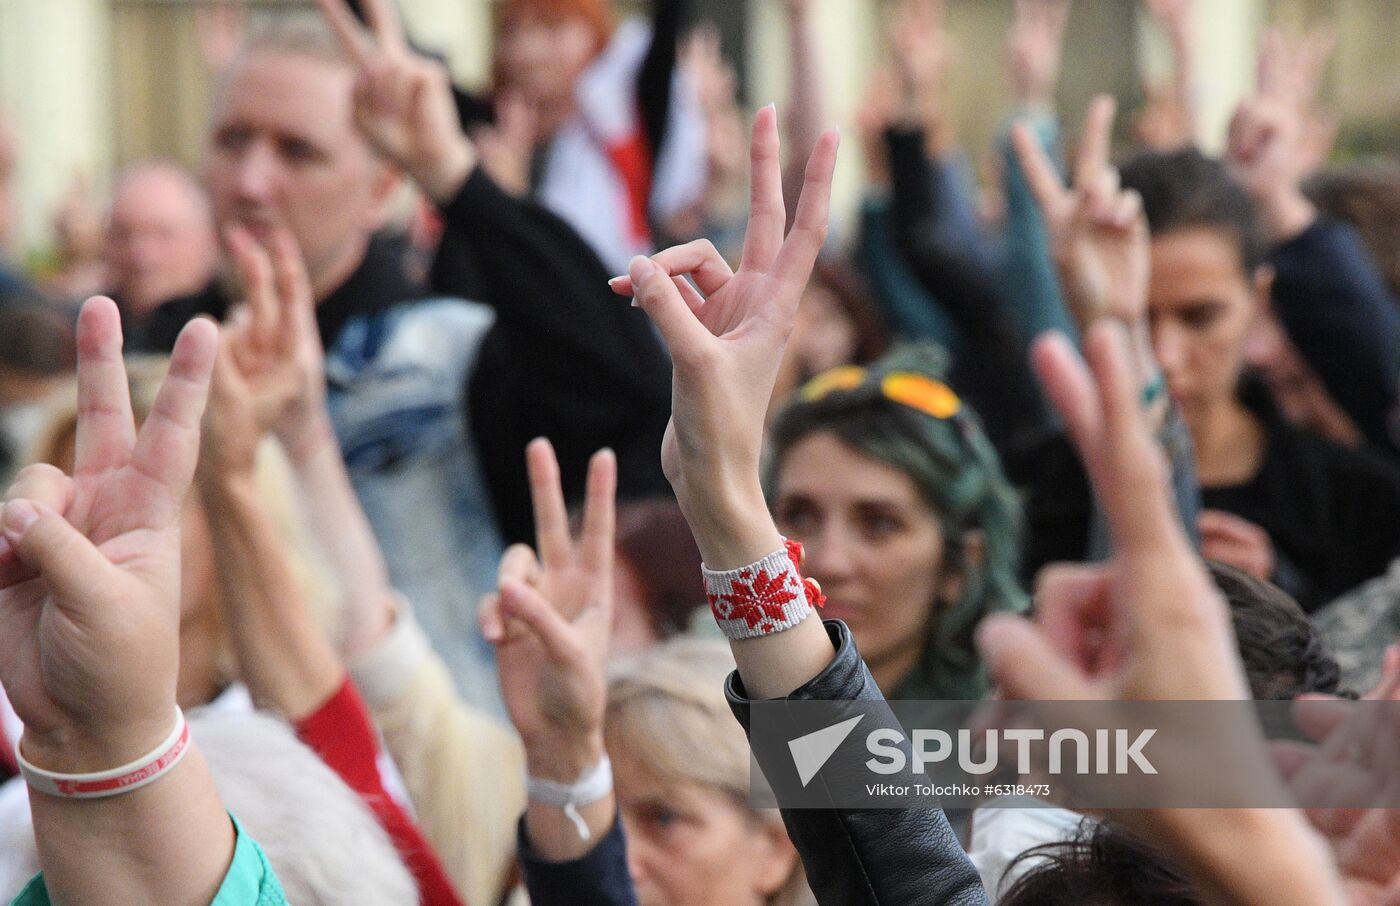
[(395, 380)]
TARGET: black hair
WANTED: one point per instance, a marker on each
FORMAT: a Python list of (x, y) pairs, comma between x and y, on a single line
[(1185, 189), (1283, 653), (1102, 865)]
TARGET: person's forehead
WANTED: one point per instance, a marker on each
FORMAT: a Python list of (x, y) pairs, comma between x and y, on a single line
[(1192, 264), (299, 95), (153, 194)]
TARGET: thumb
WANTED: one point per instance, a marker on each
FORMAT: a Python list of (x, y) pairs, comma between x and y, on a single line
[(657, 295), (523, 603), (1024, 663), (74, 568)]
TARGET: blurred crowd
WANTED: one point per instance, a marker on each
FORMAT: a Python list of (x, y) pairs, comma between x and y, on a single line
[(423, 445)]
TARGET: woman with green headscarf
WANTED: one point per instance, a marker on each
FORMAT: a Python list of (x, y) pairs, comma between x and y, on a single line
[(908, 523)]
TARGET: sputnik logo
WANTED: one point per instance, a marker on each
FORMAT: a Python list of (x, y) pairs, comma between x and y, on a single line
[(811, 752)]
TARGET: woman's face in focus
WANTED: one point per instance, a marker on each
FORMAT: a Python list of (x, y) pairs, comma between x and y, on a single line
[(693, 845), (874, 545), (1202, 305), (541, 58)]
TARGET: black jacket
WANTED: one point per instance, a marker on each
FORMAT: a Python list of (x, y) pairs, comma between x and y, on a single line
[(853, 857), (566, 358)]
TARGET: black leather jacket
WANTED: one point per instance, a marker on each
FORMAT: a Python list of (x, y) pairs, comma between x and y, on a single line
[(853, 857)]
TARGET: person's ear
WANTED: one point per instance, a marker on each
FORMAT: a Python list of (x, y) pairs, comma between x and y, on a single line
[(953, 581), (777, 858), (383, 187)]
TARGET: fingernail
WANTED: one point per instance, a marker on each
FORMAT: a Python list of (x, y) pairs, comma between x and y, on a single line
[(19, 516), (5, 549), (639, 269), (615, 281)]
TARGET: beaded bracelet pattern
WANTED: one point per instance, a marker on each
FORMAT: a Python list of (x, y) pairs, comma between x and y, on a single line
[(764, 597)]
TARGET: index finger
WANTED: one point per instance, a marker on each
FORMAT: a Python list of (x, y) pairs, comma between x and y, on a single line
[(168, 445), (255, 273), (346, 28), (106, 428), (1130, 480), (599, 515), (384, 23), (1095, 140), (547, 499), (294, 296)]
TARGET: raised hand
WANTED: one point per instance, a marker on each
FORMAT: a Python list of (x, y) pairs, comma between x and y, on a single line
[(507, 145), (1033, 50), (1150, 625), (403, 101), (923, 52), (726, 342), (270, 376), (1168, 120), (90, 563), (1097, 229), (551, 618), (1269, 150), (1357, 761)]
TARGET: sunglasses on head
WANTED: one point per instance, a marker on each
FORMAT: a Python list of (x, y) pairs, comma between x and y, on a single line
[(908, 388)]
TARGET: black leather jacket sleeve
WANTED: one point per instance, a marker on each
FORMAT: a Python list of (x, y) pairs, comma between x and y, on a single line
[(890, 857)]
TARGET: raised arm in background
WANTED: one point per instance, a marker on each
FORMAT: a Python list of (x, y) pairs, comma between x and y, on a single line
[(287, 662), (550, 622), (562, 360), (726, 341), (1098, 236), (808, 108), (1148, 626), (1170, 119), (1327, 292), (657, 72), (1034, 49), (89, 618)]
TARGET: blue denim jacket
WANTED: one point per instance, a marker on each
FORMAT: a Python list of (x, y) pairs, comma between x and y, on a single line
[(395, 382)]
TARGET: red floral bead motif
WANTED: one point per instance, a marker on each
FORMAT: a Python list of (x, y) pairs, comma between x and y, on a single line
[(758, 599)]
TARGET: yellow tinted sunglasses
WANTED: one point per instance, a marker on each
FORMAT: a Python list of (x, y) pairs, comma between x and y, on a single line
[(907, 388)]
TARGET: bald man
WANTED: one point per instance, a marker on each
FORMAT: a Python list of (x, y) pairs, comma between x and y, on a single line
[(160, 241)]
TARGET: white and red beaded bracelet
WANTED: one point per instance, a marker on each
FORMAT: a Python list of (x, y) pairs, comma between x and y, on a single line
[(764, 597), (131, 776)]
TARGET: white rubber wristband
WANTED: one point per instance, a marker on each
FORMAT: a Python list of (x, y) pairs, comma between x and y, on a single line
[(759, 599), (595, 783), (131, 776)]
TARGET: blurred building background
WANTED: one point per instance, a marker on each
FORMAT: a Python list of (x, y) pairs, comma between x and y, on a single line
[(91, 84)]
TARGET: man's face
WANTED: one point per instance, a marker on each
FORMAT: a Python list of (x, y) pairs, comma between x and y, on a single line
[(283, 148), (160, 243)]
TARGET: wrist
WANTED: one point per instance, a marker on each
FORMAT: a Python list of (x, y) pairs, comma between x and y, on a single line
[(443, 173), (562, 759), (75, 749), (303, 439), (1284, 212), (730, 522)]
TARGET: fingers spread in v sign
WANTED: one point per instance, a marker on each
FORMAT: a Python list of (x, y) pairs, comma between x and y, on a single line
[(726, 349), (89, 597)]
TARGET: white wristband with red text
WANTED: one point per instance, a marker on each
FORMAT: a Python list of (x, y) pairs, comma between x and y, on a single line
[(131, 776), (762, 598)]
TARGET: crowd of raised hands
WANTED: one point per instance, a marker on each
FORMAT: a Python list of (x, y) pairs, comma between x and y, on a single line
[(91, 556)]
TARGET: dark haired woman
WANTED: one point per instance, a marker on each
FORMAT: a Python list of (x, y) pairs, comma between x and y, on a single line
[(887, 479)]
